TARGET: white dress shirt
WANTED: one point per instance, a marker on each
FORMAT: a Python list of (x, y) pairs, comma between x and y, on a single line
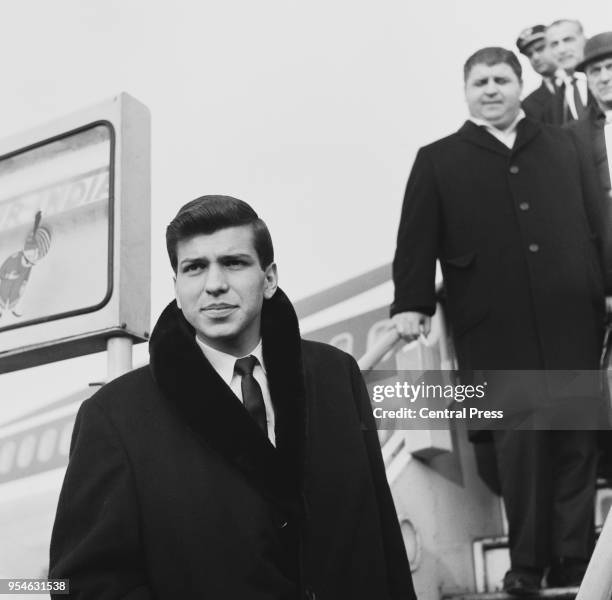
[(581, 84), (506, 136), (554, 82), (224, 365)]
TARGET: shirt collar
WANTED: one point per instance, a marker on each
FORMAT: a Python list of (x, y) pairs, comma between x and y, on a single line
[(562, 77), (511, 128), (224, 363), (549, 82)]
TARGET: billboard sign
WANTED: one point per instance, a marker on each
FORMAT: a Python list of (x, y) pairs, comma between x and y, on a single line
[(74, 235), (55, 231)]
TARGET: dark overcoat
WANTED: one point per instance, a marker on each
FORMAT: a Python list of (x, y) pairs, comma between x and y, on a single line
[(590, 132), (557, 112), (172, 491), (516, 232), (537, 102)]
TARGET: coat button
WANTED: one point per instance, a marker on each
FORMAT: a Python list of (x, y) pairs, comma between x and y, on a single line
[(524, 205), (283, 524), (534, 248), (514, 169)]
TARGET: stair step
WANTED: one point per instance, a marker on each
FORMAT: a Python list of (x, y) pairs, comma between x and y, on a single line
[(550, 593)]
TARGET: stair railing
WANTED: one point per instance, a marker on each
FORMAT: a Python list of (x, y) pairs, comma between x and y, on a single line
[(375, 353), (597, 582)]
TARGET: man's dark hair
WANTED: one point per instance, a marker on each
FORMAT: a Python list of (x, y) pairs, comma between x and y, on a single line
[(490, 56), (208, 214)]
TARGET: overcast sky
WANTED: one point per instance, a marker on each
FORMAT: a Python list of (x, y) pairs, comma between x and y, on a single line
[(310, 111)]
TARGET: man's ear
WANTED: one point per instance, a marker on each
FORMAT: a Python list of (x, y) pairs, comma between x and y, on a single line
[(271, 281), (176, 296)]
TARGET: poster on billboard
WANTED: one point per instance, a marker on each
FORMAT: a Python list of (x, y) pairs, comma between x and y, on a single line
[(67, 237), (55, 228)]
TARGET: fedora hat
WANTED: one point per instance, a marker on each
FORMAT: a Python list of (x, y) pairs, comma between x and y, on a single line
[(596, 48)]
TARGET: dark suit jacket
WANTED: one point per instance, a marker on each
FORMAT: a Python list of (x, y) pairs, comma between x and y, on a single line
[(556, 111), (536, 104), (172, 491), (516, 232)]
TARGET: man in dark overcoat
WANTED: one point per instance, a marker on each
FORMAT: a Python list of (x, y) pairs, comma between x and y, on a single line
[(532, 43), (595, 129), (243, 462), (594, 132), (512, 212)]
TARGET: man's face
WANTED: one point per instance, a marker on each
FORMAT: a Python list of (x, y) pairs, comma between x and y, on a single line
[(566, 43), (493, 93), (220, 287), (599, 78), (541, 59)]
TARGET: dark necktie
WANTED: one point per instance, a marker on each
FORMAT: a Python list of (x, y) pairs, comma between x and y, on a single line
[(580, 108), (252, 398)]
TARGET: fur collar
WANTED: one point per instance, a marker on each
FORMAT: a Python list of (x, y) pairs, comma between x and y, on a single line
[(208, 406)]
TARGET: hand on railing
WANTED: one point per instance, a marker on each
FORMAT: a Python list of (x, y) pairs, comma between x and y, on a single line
[(407, 326), (606, 347), (410, 325)]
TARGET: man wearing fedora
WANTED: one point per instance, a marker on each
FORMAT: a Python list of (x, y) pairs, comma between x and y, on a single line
[(595, 129), (243, 463), (532, 43)]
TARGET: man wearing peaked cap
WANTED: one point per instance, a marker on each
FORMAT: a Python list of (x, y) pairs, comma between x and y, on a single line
[(532, 43), (243, 463)]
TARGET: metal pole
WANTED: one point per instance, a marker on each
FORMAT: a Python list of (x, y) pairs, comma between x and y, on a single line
[(118, 357), (597, 582)]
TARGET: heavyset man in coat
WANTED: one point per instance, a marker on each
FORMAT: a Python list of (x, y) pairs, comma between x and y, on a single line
[(192, 478), (512, 210)]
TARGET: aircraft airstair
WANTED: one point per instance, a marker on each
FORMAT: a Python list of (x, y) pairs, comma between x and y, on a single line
[(489, 554)]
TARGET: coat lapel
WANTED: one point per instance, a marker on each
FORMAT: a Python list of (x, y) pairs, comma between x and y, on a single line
[(543, 95), (208, 406), (474, 134), (545, 92), (526, 131)]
